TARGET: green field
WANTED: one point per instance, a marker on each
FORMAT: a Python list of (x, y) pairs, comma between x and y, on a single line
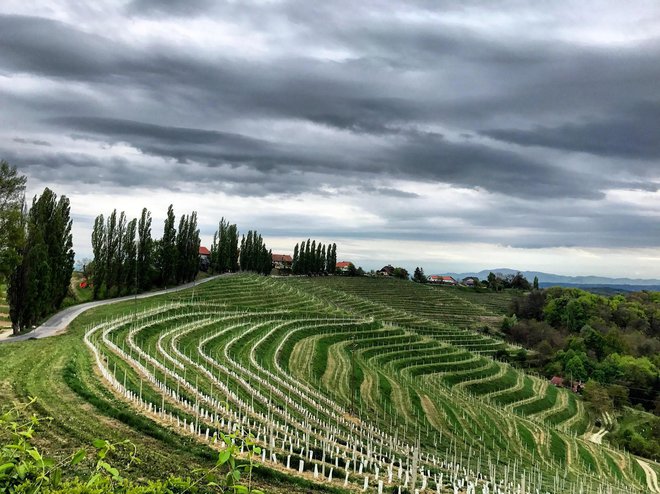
[(364, 377)]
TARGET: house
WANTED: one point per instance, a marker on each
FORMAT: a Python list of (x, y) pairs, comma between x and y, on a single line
[(386, 270), (343, 266), (442, 280), (282, 261), (470, 281), (204, 258), (575, 386), (557, 381)]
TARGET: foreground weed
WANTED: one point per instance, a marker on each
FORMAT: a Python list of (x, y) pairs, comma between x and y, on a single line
[(25, 470)]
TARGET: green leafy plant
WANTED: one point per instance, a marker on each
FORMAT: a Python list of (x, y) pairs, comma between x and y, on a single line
[(238, 476), (24, 469), (21, 463)]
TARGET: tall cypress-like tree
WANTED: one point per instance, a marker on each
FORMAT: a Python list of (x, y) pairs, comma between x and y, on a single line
[(241, 254), (111, 248), (317, 259), (322, 262), (99, 250), (12, 224), (41, 281), (59, 240), (144, 251), (223, 246), (294, 264), (192, 248), (215, 254), (232, 241), (254, 255), (311, 267), (181, 249), (167, 254), (332, 265), (129, 282), (224, 252), (307, 264), (119, 258)]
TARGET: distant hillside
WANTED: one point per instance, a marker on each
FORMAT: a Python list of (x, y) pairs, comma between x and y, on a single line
[(549, 279)]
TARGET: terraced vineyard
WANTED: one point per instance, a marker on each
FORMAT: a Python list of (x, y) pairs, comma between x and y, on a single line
[(357, 383)]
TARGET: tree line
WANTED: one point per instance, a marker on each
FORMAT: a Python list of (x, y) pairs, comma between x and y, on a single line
[(36, 250), (311, 257), (128, 260)]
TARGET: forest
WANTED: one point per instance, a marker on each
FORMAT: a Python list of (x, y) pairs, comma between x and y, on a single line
[(611, 345)]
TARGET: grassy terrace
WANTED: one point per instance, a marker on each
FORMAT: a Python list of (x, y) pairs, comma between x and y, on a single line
[(362, 377)]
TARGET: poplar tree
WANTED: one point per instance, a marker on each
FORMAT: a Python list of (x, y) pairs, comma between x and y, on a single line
[(181, 250), (312, 258), (254, 255), (167, 251), (232, 241), (12, 218), (99, 250), (111, 247), (119, 258), (317, 259), (332, 261), (294, 264), (308, 257), (39, 284), (144, 251), (322, 260), (224, 250), (129, 253), (191, 248)]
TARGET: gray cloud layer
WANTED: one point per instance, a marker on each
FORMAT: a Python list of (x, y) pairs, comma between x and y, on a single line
[(306, 98)]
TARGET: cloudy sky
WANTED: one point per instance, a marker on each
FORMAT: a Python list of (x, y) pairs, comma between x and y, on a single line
[(451, 135)]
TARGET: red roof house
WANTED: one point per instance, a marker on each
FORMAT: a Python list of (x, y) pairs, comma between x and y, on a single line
[(343, 265), (282, 261), (557, 381), (204, 252), (442, 280)]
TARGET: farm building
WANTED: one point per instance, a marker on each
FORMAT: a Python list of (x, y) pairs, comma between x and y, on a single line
[(343, 266), (282, 261), (470, 281), (204, 253), (204, 258), (386, 270), (442, 280), (557, 381)]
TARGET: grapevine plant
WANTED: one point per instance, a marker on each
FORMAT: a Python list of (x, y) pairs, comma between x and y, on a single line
[(25, 470)]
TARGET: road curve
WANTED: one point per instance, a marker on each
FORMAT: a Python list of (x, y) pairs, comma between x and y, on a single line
[(60, 321)]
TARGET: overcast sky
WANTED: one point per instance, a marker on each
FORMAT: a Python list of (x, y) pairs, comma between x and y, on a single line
[(451, 135)]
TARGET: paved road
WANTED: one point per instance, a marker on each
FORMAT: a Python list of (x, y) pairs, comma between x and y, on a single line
[(59, 322)]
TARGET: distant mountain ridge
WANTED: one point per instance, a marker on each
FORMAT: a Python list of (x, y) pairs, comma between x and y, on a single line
[(549, 278)]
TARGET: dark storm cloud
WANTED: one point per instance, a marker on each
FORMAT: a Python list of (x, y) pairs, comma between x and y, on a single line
[(633, 135), (469, 164), (34, 142), (421, 156), (367, 93), (44, 46)]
